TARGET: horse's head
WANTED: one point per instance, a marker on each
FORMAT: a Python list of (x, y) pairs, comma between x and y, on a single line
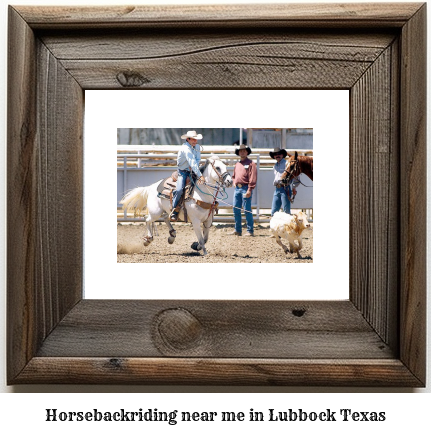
[(217, 172), (292, 168)]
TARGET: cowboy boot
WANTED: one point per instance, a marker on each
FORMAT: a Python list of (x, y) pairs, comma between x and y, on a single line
[(173, 217)]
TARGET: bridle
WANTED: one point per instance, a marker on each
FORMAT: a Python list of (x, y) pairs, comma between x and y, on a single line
[(296, 167), (221, 177), (220, 183)]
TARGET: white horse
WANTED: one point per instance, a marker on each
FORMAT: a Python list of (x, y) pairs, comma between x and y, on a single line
[(199, 209)]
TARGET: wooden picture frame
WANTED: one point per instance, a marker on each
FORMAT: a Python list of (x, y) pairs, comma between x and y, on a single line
[(376, 338)]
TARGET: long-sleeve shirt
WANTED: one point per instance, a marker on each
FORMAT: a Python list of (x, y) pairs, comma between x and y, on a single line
[(189, 156), (245, 173)]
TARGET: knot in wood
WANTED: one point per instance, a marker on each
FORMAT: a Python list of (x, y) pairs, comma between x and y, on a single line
[(298, 312), (131, 79), (115, 363), (178, 329)]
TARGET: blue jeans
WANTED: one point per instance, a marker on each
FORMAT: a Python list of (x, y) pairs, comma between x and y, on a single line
[(181, 184), (280, 199), (239, 201)]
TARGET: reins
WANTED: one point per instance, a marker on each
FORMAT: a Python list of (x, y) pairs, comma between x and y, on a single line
[(297, 179), (297, 166), (218, 187), (215, 187), (218, 184), (291, 173), (244, 210), (239, 208)]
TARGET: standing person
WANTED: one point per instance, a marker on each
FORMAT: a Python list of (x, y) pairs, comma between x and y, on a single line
[(283, 193), (244, 178), (188, 159)]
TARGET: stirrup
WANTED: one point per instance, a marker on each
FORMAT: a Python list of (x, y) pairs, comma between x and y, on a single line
[(173, 217)]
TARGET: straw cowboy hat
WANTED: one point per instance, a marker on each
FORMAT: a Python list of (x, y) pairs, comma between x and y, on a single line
[(192, 134), (278, 151), (243, 147)]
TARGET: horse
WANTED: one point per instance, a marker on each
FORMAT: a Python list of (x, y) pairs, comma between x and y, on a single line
[(200, 208), (296, 165)]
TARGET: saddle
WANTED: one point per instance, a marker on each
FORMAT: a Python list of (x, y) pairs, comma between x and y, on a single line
[(167, 187)]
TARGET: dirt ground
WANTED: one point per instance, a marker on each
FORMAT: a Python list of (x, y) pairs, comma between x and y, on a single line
[(221, 247)]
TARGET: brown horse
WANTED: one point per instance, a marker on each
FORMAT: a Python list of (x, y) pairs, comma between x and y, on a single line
[(296, 165)]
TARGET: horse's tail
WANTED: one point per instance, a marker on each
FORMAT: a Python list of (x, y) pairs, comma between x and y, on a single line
[(136, 200)]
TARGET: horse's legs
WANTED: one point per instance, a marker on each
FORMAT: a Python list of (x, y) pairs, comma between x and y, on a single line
[(207, 226), (151, 218), (149, 237), (201, 242), (172, 232), (155, 210)]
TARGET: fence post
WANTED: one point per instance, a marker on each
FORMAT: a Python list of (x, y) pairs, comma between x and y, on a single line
[(125, 180), (257, 187)]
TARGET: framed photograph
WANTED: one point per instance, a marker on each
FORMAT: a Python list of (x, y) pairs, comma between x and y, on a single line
[(154, 168), (227, 254), (376, 337)]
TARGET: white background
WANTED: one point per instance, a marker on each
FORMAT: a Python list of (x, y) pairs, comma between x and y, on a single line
[(405, 410), (327, 112)]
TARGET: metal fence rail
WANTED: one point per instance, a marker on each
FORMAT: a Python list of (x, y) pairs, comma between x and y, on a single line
[(143, 168), (148, 172)]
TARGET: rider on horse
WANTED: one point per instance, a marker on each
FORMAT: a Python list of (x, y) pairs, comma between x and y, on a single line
[(188, 159)]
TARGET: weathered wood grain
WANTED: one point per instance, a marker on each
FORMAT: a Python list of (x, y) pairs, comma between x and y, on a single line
[(375, 338), (373, 200), (393, 272), (160, 44), (45, 106), (235, 329), (229, 372), (21, 196), (413, 194), (253, 59), (223, 71), (302, 15), (59, 184)]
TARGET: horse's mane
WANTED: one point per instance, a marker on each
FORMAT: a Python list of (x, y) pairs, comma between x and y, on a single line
[(305, 165), (307, 159), (203, 167)]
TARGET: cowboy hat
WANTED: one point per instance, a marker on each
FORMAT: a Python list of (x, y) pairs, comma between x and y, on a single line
[(243, 147), (278, 151), (191, 134)]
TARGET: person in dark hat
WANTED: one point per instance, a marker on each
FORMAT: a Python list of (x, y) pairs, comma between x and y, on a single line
[(244, 178), (284, 193)]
